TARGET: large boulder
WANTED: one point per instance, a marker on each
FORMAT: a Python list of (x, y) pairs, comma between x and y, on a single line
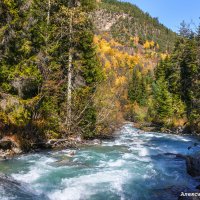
[(8, 148), (12, 189), (175, 192), (193, 165)]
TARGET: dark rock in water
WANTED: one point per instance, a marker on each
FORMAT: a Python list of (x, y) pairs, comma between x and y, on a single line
[(13, 189), (193, 165), (179, 130), (177, 192), (170, 193), (194, 145), (176, 155), (180, 156), (198, 187), (63, 161), (41, 145)]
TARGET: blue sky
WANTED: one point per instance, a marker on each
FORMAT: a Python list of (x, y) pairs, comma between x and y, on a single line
[(171, 12)]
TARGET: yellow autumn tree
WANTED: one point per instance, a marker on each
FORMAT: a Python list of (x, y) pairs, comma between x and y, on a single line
[(147, 45)]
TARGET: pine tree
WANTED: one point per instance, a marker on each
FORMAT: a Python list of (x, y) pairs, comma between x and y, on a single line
[(138, 87), (190, 80), (47, 53), (181, 75), (162, 102)]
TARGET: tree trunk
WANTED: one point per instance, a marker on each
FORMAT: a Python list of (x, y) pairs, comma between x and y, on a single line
[(48, 12), (69, 88)]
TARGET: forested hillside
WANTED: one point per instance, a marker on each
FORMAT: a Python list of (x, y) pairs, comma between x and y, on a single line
[(48, 69), (172, 102), (153, 72), (89, 90), (127, 41), (124, 20), (83, 67)]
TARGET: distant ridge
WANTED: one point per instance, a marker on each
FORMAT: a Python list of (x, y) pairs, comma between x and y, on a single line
[(124, 20)]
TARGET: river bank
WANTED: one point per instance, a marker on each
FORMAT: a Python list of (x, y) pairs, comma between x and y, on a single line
[(9, 147), (133, 165), (153, 127)]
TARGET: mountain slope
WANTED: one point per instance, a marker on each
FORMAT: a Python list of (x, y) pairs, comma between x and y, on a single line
[(130, 44), (124, 20)]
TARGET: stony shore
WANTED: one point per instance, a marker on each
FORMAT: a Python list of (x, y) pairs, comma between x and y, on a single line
[(10, 148)]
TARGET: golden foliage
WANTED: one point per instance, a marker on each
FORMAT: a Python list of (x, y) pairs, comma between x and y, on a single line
[(118, 62), (149, 44), (120, 80), (135, 40), (163, 56), (146, 45)]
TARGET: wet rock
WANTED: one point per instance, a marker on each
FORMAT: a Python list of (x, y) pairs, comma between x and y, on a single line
[(17, 190), (3, 155), (177, 192), (194, 145), (171, 192), (8, 154), (60, 143), (193, 165), (71, 153), (181, 156), (176, 155), (179, 130), (8, 149), (96, 141), (62, 162), (198, 187), (17, 150), (41, 145)]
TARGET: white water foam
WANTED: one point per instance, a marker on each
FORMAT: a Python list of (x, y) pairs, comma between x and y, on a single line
[(35, 171), (117, 163), (33, 174), (144, 152), (87, 185), (5, 196)]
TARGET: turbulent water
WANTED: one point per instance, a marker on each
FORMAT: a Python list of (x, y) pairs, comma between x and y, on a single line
[(134, 166)]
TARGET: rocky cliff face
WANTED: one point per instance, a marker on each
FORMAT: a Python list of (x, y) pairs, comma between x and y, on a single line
[(104, 20)]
